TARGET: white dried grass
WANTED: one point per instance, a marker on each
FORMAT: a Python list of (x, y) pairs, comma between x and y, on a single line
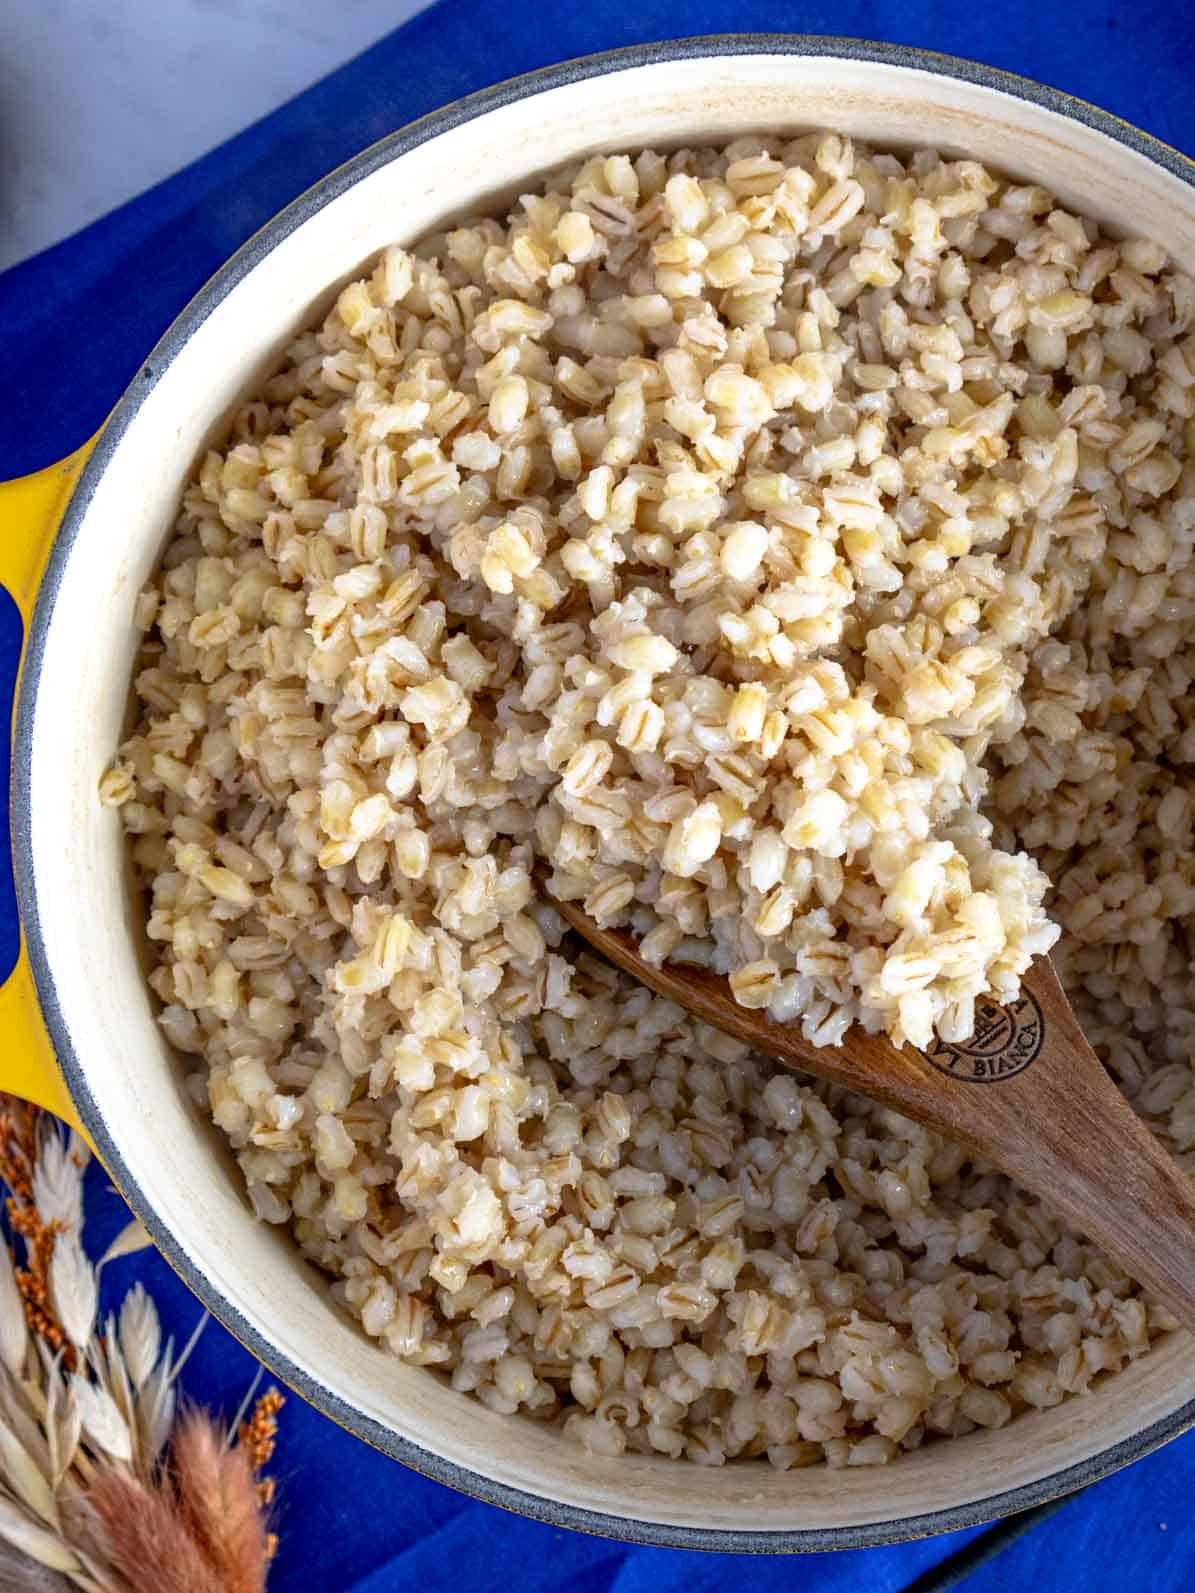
[(58, 1180), (24, 1476), (21, 1408), (73, 1289), (63, 1427), (155, 1415), (131, 1238), (14, 1336), (101, 1419), (140, 1335), (45, 1547)]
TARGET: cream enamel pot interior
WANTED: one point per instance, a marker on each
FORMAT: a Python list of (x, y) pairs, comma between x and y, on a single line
[(81, 925)]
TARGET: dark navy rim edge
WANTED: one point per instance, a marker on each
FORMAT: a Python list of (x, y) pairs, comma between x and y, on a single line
[(190, 319)]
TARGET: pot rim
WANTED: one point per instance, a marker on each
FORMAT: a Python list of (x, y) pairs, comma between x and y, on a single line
[(424, 1461)]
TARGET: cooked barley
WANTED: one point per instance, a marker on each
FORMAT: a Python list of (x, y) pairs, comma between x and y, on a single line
[(792, 549)]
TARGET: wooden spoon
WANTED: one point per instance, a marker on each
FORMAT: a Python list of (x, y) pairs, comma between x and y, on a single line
[(1027, 1093)]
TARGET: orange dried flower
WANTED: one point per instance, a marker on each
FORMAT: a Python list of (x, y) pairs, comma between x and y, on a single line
[(258, 1435), (18, 1157)]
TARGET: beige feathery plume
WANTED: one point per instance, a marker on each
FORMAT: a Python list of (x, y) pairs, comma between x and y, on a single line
[(145, 1539), (219, 1501)]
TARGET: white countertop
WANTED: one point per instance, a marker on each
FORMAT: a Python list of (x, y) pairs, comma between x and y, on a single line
[(101, 98)]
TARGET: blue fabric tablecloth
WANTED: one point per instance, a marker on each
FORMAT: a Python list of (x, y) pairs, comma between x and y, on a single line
[(75, 323)]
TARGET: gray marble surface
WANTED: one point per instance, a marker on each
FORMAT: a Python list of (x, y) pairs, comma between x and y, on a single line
[(100, 98)]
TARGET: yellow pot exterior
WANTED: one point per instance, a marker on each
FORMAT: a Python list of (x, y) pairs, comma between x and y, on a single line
[(31, 509)]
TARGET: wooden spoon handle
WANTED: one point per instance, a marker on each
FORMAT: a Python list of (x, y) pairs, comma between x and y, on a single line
[(1057, 1124), (1027, 1093)]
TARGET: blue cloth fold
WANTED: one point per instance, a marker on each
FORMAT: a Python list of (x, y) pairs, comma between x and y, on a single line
[(76, 322)]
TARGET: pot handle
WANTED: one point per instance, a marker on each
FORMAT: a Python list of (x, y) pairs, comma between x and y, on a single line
[(31, 508)]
